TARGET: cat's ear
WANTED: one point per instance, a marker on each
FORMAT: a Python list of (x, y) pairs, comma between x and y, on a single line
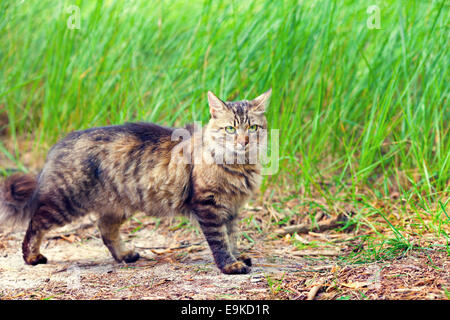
[(260, 103), (216, 106)]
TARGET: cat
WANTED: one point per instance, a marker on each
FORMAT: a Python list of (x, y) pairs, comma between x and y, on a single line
[(118, 170)]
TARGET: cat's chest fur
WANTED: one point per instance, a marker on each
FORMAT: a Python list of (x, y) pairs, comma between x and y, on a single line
[(228, 185)]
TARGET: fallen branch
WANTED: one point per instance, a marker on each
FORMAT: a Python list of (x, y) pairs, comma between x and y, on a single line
[(306, 227)]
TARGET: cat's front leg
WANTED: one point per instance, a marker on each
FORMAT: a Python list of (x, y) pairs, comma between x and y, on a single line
[(232, 230), (217, 238), (215, 230)]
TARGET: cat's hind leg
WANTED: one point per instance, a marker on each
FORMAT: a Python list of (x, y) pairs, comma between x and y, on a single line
[(109, 226), (48, 215), (31, 246)]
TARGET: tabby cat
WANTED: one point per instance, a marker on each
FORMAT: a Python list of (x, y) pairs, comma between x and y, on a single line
[(115, 171)]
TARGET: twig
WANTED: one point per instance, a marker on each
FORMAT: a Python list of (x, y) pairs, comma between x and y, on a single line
[(296, 267), (313, 292), (72, 231), (306, 227), (183, 246), (316, 253), (84, 265)]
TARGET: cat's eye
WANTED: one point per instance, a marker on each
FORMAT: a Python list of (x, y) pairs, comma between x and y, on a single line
[(230, 129), (253, 128)]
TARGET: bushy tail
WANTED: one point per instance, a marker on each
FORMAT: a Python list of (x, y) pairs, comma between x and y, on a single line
[(15, 193)]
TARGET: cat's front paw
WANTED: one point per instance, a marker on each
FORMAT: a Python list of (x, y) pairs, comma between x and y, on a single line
[(237, 267), (245, 259), (131, 257)]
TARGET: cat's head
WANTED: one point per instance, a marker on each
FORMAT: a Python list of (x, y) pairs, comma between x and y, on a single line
[(237, 128)]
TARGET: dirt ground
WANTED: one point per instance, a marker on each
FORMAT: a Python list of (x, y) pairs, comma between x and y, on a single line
[(176, 264)]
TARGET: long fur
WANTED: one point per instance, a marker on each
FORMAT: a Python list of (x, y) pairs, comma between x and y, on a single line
[(15, 195), (116, 171)]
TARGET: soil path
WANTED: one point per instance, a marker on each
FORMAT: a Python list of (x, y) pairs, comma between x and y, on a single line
[(80, 267)]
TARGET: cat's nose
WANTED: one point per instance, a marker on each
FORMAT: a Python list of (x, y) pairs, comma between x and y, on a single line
[(242, 141)]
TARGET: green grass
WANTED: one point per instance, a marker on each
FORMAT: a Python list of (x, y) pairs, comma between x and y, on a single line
[(375, 250), (275, 285), (357, 108)]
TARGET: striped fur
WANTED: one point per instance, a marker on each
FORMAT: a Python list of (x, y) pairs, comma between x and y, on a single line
[(116, 171)]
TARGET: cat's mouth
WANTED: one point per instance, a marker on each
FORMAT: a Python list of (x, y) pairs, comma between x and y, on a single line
[(240, 149), (237, 153), (247, 153), (241, 153)]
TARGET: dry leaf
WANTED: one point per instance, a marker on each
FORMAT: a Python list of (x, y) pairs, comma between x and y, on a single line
[(195, 248), (300, 239), (161, 251), (70, 238), (287, 238), (356, 285)]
